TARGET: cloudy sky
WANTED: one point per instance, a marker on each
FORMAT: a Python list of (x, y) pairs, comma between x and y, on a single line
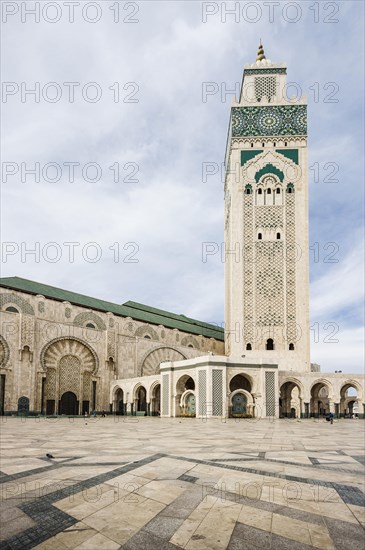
[(119, 94)]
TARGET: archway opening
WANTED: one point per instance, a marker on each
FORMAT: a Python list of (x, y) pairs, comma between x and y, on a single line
[(69, 404), (141, 400), (119, 407), (185, 383), (319, 403), (185, 396), (156, 400), (290, 400), (349, 406), (270, 344)]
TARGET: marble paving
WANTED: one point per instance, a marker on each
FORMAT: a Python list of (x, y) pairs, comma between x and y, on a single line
[(162, 484)]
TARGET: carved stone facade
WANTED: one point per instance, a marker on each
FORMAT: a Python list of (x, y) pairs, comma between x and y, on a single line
[(67, 364)]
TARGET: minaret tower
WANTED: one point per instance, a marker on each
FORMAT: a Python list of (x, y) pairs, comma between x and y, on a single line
[(266, 221)]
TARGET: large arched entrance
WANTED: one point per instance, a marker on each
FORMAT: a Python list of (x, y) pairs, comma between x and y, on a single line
[(185, 396), (320, 401), (69, 366), (290, 401), (69, 404)]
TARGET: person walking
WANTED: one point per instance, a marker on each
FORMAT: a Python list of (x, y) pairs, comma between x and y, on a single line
[(331, 417)]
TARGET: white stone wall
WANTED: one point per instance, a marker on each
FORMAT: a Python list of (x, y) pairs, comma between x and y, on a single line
[(242, 247)]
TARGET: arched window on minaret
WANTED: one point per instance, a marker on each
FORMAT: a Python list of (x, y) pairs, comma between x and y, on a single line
[(259, 236), (291, 347), (290, 188), (278, 196), (248, 189), (259, 199), (269, 197), (278, 236), (249, 347), (269, 344)]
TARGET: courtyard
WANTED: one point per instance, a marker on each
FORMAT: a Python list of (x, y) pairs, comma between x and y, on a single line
[(164, 483)]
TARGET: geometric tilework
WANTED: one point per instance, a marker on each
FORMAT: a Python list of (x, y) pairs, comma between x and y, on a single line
[(69, 369), (165, 394), (265, 86), (4, 352), (265, 71), (248, 254), (202, 387), (50, 387), (269, 216), (276, 120), (85, 316), (86, 386), (217, 392), (146, 330), (111, 345), (269, 283), (12, 298), (270, 393), (290, 269), (27, 331), (190, 341), (151, 362)]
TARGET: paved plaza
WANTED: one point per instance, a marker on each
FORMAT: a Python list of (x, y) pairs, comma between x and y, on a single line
[(154, 483)]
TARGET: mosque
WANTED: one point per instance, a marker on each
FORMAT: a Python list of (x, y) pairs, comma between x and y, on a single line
[(66, 353)]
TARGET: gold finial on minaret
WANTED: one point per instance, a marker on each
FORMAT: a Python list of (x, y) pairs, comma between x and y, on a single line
[(260, 53)]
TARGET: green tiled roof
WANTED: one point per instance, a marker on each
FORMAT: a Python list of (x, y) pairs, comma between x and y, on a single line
[(136, 311)]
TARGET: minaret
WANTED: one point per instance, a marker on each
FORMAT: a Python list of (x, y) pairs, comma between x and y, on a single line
[(266, 221)]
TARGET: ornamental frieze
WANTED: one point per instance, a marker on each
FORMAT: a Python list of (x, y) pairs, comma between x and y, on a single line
[(273, 120)]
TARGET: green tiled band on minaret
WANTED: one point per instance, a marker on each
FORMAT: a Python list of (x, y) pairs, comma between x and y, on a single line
[(291, 154), (269, 120), (248, 155)]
